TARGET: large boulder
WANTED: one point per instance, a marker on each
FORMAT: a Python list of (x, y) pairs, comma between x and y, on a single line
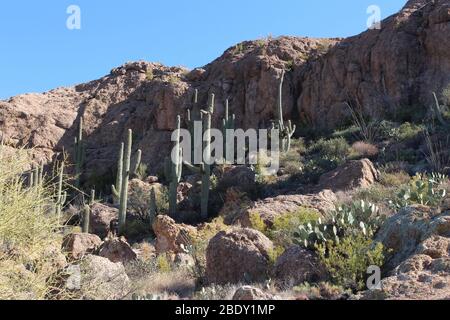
[(238, 255), (351, 175), (170, 236), (270, 208), (97, 278), (402, 233), (425, 275), (298, 265), (100, 219), (76, 245), (117, 250), (240, 177)]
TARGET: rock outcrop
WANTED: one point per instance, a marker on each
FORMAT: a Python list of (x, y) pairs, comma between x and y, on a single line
[(117, 250), (238, 256), (100, 219), (249, 293), (351, 175)]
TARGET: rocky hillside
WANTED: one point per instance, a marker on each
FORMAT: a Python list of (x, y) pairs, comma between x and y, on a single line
[(386, 71)]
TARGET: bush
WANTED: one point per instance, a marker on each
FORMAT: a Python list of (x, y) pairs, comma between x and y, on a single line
[(347, 261), (336, 150), (29, 238), (364, 149), (394, 179)]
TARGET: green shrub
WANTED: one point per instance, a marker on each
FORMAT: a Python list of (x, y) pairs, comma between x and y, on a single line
[(285, 225), (394, 179), (336, 149), (163, 263), (347, 261)]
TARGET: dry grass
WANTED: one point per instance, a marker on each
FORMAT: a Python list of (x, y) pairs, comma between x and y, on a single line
[(364, 149), (29, 242)]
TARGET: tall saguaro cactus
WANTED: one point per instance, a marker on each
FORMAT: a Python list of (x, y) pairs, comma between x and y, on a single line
[(205, 167), (228, 123), (61, 195), (123, 177), (79, 152), (174, 169), (286, 129), (86, 217)]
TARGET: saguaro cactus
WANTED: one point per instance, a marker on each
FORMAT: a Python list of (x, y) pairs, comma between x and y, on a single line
[(86, 218), (116, 189), (174, 169), (152, 205), (438, 112), (286, 129), (79, 153), (61, 195), (36, 176), (228, 123), (205, 167), (123, 177)]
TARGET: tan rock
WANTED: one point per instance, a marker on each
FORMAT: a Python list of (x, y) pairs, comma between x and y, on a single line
[(238, 255), (249, 293), (100, 219), (77, 245), (170, 236), (117, 250), (349, 176)]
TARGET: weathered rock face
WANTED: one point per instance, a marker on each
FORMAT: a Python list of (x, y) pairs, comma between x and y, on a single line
[(171, 237), (117, 250), (382, 70), (76, 245), (297, 266), (351, 175), (403, 232), (270, 208), (238, 256), (100, 219)]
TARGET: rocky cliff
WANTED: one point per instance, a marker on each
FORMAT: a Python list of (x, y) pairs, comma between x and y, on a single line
[(384, 71)]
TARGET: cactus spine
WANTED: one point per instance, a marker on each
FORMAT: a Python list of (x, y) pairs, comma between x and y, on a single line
[(174, 169), (228, 123), (205, 167), (79, 153), (86, 217), (61, 196), (125, 167), (286, 129)]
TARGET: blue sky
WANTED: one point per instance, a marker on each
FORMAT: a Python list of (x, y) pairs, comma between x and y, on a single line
[(38, 52)]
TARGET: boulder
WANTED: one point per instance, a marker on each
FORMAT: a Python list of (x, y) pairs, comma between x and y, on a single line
[(238, 255), (100, 219), (270, 208), (117, 250), (241, 178), (76, 245), (249, 293), (170, 236), (101, 279), (403, 232), (298, 265), (351, 175)]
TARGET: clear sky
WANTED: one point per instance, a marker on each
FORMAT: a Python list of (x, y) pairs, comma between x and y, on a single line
[(38, 52)]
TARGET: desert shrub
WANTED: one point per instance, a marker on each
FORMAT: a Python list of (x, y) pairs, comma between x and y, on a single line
[(349, 133), (216, 292), (149, 75), (407, 131), (285, 225), (376, 193), (29, 238), (364, 149), (347, 261), (290, 161), (322, 290), (423, 189), (163, 263), (257, 222), (394, 179), (336, 150), (438, 153)]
